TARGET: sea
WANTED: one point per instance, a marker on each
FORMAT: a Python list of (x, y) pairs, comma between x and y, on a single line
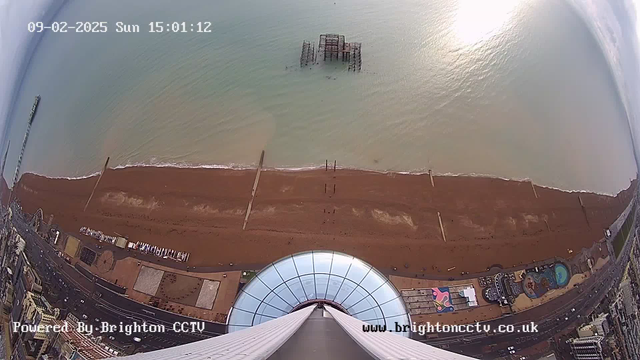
[(516, 89)]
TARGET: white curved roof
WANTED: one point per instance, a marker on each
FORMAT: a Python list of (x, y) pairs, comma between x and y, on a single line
[(361, 290)]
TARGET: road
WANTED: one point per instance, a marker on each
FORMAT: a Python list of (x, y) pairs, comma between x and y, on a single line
[(88, 300)]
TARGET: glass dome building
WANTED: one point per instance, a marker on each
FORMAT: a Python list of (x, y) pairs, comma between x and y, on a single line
[(342, 281)]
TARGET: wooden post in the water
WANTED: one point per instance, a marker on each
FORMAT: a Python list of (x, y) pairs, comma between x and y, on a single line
[(534, 189), (444, 237), (334, 188), (106, 163), (334, 165), (326, 165), (253, 191), (431, 178)]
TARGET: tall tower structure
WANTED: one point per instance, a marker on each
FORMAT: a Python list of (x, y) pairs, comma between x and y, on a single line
[(32, 115)]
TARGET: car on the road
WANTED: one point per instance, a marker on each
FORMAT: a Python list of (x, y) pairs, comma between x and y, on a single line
[(84, 316), (137, 339)]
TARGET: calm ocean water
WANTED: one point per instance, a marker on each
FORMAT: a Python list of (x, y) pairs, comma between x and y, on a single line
[(516, 89)]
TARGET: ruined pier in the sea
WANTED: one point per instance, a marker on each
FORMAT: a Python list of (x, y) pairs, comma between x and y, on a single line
[(332, 46), (308, 55)]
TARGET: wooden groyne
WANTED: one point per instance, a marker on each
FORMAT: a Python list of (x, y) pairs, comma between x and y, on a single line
[(104, 168), (32, 115), (444, 236), (253, 191)]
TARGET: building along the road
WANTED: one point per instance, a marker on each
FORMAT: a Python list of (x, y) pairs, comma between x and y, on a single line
[(20, 287), (587, 348), (74, 345), (598, 326), (37, 311), (28, 306), (628, 300), (624, 315), (19, 293), (19, 352)]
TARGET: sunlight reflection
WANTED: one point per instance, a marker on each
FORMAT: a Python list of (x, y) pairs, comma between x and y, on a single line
[(478, 20)]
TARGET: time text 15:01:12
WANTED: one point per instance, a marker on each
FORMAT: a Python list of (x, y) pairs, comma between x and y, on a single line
[(175, 27)]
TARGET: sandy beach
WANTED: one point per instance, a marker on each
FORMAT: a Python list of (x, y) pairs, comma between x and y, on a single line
[(389, 220)]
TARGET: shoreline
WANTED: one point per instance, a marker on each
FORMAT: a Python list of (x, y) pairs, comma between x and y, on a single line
[(387, 219), (244, 167)]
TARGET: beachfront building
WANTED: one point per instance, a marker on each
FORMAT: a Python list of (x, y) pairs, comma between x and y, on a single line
[(597, 327), (74, 345), (37, 312), (296, 306), (624, 315), (587, 348)]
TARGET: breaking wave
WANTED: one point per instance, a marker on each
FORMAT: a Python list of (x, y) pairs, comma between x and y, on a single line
[(233, 166)]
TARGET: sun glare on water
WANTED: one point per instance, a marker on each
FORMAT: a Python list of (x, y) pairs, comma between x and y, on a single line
[(478, 20)]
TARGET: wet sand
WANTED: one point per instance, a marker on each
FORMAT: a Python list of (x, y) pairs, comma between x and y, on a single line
[(388, 220)]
